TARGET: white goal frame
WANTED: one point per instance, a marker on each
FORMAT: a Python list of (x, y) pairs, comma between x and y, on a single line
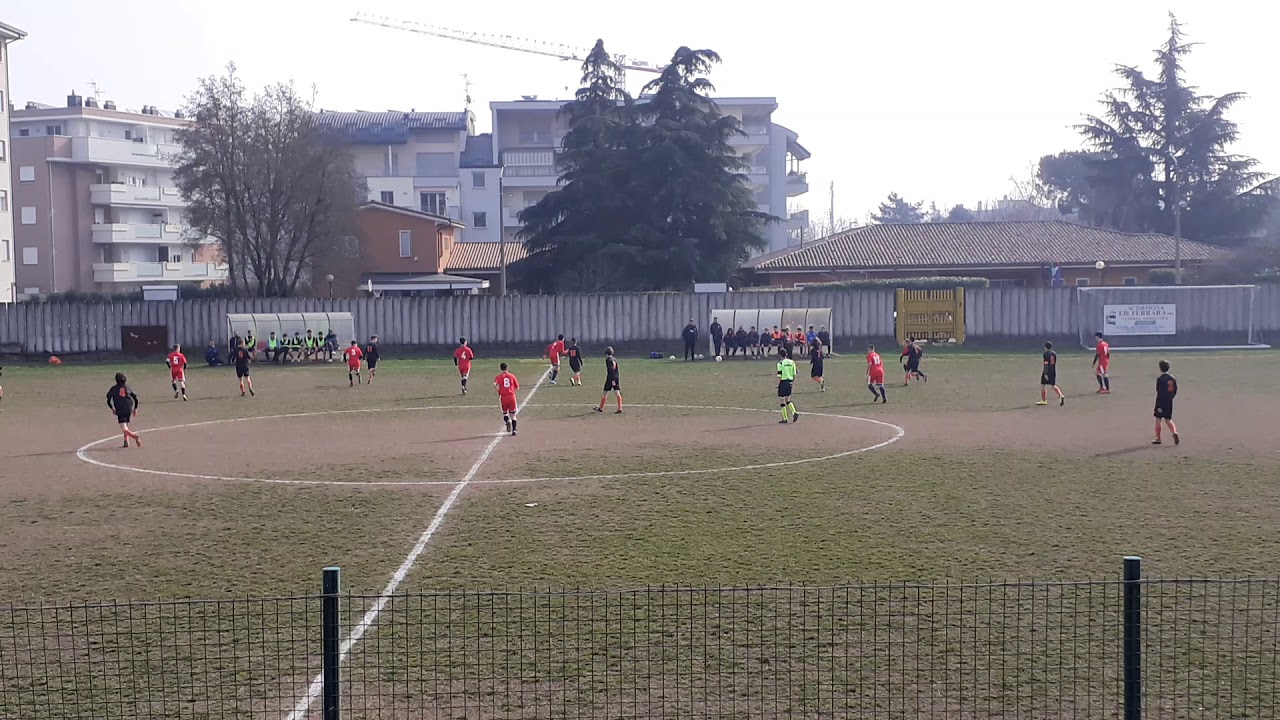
[(1210, 311)]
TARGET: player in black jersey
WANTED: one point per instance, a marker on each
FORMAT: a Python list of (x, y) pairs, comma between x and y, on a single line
[(1049, 376), (124, 403), (1166, 391), (611, 381)]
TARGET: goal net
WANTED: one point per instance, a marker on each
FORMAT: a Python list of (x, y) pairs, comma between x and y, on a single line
[(1169, 317)]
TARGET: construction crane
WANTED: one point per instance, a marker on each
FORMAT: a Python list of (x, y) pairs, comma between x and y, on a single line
[(505, 42)]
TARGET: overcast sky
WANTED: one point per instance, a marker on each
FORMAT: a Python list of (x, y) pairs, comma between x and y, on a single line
[(938, 101)]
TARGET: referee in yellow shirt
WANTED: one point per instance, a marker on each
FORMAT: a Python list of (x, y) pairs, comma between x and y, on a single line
[(786, 379)]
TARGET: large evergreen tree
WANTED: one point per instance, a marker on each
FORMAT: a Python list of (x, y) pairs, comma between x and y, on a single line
[(652, 197), (1159, 142)]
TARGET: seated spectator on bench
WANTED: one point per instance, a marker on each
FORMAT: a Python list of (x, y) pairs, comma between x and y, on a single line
[(211, 355)]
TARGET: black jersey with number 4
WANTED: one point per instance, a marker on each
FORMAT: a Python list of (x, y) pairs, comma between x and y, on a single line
[(122, 399), (1166, 389)]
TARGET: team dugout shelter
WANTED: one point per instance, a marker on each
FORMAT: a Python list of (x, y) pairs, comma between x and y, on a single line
[(760, 319), (286, 324)]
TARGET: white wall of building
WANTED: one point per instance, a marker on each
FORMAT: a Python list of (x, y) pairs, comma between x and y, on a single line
[(8, 249), (481, 194)]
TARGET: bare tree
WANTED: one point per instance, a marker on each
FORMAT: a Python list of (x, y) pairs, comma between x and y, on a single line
[(819, 227), (272, 188)]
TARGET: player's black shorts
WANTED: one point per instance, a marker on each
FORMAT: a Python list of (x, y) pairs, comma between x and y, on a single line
[(611, 385), (1164, 411), (124, 416), (1049, 377), (373, 362), (913, 365), (815, 370), (575, 365), (242, 371), (784, 388)]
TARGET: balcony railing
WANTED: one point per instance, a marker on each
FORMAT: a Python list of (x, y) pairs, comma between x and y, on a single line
[(104, 233), (122, 194), (145, 271), (124, 152)]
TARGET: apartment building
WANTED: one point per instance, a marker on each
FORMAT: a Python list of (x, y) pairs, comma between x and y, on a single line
[(95, 203), (528, 133), (8, 34), (435, 163)]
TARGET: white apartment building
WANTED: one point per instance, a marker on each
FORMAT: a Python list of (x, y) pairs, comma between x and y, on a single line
[(8, 34), (97, 208), (435, 162)]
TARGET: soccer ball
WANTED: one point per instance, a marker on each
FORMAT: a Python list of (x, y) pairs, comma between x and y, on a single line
[(718, 358), (673, 357), (701, 356)]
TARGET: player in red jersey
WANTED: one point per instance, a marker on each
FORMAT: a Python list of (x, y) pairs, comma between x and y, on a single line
[(177, 363), (462, 357), (875, 375), (353, 355), (1102, 363), (507, 385), (554, 351)]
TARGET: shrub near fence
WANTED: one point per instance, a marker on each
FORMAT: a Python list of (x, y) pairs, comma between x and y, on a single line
[(1178, 648), (993, 315)]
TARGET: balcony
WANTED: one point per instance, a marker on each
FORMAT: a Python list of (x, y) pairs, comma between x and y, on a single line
[(111, 151), (123, 195), (757, 136), (529, 168), (158, 271), (797, 183), (106, 233)]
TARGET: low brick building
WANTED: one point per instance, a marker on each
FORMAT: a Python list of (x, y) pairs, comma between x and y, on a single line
[(403, 251), (1020, 254)]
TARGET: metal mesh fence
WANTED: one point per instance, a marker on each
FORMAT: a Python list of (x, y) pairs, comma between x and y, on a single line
[(1210, 649)]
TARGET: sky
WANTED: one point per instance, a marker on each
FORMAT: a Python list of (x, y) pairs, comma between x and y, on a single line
[(938, 101)]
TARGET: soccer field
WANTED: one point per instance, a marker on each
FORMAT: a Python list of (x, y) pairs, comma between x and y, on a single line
[(961, 478), (662, 554)]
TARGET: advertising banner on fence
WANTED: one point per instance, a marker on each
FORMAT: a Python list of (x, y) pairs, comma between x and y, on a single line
[(1141, 319)]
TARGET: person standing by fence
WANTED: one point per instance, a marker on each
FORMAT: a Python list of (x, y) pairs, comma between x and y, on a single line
[(690, 336), (717, 335)]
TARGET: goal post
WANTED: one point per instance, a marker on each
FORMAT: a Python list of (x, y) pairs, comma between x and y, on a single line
[(1178, 317)]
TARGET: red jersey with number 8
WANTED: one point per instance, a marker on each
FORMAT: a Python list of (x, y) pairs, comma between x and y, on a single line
[(507, 385)]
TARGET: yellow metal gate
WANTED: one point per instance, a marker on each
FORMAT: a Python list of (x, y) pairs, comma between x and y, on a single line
[(934, 315)]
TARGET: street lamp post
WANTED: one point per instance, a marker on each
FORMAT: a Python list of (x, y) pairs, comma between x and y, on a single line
[(329, 279), (1175, 192), (1100, 266)]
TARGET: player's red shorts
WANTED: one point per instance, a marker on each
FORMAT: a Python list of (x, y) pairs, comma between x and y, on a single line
[(508, 403), (177, 373), (876, 377), (464, 369), (353, 366), (1104, 366)]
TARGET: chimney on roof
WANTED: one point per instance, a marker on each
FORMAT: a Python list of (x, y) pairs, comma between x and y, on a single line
[(109, 105), (32, 105), (90, 102), (74, 100), (179, 115)]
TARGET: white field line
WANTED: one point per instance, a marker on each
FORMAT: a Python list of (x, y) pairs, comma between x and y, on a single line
[(371, 616), (899, 433)]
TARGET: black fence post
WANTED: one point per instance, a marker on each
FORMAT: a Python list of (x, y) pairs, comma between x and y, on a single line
[(331, 635), (1133, 638)]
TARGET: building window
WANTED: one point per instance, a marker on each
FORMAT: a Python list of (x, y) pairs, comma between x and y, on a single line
[(4, 251), (433, 202), (1, 101), (436, 165), (406, 243), (52, 129), (393, 168), (477, 180), (1082, 282), (4, 201), (30, 256), (28, 215), (24, 132), (535, 137), (480, 219), (1131, 281), (3, 151), (27, 173), (388, 197)]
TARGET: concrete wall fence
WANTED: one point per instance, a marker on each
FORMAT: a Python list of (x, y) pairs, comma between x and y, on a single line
[(996, 315)]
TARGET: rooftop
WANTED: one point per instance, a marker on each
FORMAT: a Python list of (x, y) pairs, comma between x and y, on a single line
[(391, 127), (475, 256), (441, 219), (9, 32), (981, 244)]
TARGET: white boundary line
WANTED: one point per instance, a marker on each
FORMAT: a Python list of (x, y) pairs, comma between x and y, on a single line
[(899, 433), (371, 615)]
